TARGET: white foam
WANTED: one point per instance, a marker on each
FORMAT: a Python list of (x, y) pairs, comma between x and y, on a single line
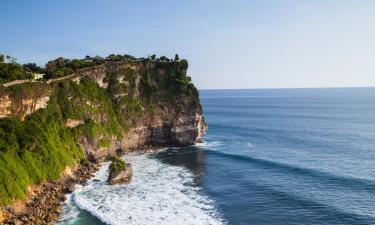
[(70, 212), (250, 145), (202, 144), (158, 194), (209, 145)]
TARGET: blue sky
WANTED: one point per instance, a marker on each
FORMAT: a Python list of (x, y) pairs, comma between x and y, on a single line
[(229, 44)]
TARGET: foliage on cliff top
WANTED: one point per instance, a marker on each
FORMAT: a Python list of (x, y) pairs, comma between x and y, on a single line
[(61, 67), (175, 79), (117, 164), (13, 71)]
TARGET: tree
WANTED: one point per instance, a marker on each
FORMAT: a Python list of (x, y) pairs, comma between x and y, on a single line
[(184, 64), (55, 64), (1, 58), (164, 58), (12, 71), (176, 58), (98, 59), (32, 67), (153, 57)]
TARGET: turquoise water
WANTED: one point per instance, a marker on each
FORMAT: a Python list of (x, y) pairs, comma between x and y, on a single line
[(281, 156)]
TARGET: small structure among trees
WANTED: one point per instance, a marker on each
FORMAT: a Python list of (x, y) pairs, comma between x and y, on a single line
[(38, 76)]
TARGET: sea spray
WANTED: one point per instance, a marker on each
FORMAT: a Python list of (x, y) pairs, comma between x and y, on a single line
[(158, 194)]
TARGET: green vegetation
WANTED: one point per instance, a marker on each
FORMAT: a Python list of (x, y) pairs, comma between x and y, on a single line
[(114, 57), (176, 81), (30, 90), (128, 107), (84, 162), (33, 68), (40, 147), (61, 67), (104, 143), (117, 164), (34, 150), (13, 71)]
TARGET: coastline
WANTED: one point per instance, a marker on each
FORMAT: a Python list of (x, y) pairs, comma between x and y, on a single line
[(45, 201), (163, 116), (165, 189), (43, 204)]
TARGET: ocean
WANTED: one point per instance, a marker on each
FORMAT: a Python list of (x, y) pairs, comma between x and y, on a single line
[(271, 156)]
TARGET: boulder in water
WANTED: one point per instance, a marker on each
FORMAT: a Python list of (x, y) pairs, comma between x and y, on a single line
[(119, 171), (121, 176)]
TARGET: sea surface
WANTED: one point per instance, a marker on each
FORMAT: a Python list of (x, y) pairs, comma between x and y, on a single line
[(277, 156)]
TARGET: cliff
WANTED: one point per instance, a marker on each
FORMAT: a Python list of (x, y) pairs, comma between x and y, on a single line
[(96, 112)]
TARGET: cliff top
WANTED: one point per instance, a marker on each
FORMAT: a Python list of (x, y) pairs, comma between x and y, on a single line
[(12, 73)]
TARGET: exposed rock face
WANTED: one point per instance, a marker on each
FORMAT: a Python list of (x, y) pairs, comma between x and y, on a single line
[(20, 102), (121, 176), (71, 123), (97, 153), (173, 130), (31, 105), (5, 106), (177, 122), (176, 118)]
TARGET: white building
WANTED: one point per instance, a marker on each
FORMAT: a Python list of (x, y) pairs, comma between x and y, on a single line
[(38, 76)]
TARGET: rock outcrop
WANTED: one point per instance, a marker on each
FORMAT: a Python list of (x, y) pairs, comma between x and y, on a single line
[(21, 100), (71, 123), (5, 106), (121, 176)]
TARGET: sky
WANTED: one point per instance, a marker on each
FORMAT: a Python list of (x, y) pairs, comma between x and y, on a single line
[(229, 44)]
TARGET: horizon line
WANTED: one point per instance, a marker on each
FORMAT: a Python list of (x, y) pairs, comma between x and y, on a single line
[(278, 88)]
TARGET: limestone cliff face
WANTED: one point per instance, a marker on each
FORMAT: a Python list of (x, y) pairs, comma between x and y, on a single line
[(5, 106), (19, 103), (176, 118), (154, 103)]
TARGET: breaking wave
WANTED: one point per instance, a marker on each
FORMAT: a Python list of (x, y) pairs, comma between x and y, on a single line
[(158, 194)]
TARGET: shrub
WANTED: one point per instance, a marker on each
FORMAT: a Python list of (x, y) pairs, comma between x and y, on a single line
[(84, 162), (104, 143), (117, 164)]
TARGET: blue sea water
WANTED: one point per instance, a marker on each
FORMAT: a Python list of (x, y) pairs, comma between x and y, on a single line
[(277, 156)]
